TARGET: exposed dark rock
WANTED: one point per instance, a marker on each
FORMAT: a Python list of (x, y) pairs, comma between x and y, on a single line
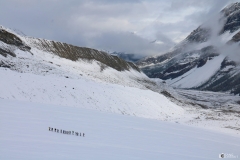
[(199, 35), (2, 64), (201, 62), (233, 22), (232, 13), (236, 37), (231, 8), (4, 53), (177, 74), (167, 94), (203, 106), (12, 39), (227, 62), (177, 70)]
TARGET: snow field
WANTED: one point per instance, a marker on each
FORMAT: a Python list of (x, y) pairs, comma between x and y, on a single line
[(24, 135), (88, 94)]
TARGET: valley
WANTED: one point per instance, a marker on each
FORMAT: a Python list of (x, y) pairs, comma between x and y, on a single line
[(184, 104)]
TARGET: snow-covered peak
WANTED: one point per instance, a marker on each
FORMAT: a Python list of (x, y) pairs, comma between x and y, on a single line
[(231, 8)]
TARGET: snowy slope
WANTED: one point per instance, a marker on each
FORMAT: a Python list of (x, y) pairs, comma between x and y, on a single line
[(41, 75), (24, 135), (197, 76), (85, 93)]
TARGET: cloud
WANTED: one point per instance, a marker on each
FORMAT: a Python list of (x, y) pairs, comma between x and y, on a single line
[(108, 24), (220, 42), (127, 42)]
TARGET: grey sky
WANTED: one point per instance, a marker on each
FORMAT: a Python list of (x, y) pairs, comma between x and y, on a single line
[(113, 25)]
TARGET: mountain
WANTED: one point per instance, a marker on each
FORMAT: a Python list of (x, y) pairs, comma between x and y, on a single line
[(46, 84), (62, 50), (54, 73), (207, 59), (45, 71)]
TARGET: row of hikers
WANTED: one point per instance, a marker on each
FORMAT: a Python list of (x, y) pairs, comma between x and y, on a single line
[(66, 132)]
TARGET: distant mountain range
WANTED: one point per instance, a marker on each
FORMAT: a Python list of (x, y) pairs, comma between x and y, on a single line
[(207, 59)]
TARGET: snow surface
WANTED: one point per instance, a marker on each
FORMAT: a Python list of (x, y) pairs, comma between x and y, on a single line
[(24, 135), (85, 93)]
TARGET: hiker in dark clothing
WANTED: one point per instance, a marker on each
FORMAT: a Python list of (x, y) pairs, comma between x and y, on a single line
[(83, 134)]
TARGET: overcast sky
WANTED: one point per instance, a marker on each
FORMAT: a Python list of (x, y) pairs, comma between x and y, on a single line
[(112, 25)]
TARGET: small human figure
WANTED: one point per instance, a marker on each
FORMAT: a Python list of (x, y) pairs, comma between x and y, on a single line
[(55, 129), (72, 132), (83, 134), (80, 134), (49, 128)]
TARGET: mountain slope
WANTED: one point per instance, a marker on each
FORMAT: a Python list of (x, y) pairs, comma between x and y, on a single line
[(205, 59), (60, 49), (37, 74), (44, 71), (81, 92)]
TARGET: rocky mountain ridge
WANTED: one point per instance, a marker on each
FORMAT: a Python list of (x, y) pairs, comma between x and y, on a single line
[(60, 49), (196, 52)]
